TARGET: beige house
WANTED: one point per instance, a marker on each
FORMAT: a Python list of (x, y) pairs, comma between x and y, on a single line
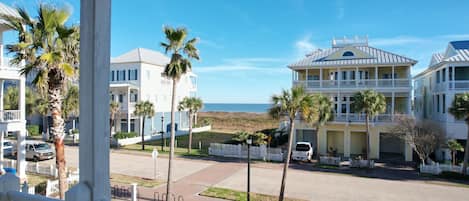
[(351, 65)]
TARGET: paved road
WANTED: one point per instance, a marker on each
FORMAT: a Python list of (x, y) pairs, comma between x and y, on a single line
[(194, 175)]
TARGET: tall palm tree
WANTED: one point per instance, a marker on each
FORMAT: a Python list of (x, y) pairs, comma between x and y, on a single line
[(113, 110), (454, 146), (193, 105), (144, 109), (42, 108), (324, 113), (70, 105), (291, 103), (181, 52), (460, 110), (371, 103), (45, 44)]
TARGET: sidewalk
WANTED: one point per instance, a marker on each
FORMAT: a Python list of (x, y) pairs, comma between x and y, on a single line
[(190, 186)]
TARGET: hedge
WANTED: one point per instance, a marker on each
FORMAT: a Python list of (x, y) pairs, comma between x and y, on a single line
[(33, 130), (123, 135)]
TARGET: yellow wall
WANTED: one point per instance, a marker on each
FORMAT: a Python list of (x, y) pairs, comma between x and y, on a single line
[(357, 142), (335, 139)]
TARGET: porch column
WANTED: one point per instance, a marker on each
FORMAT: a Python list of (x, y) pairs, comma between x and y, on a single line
[(407, 152), (376, 75), (392, 76), (393, 99), (356, 76), (21, 134), (320, 77), (128, 110), (447, 78), (338, 77), (322, 140), (1, 49), (453, 75), (95, 28), (2, 83), (347, 141)]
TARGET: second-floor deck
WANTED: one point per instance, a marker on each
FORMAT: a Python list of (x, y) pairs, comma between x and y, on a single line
[(367, 83), (9, 116)]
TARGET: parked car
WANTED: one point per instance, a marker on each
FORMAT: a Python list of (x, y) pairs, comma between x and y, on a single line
[(7, 148), (303, 151), (38, 150)]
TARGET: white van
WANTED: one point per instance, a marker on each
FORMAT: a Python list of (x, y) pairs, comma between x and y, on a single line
[(38, 150)]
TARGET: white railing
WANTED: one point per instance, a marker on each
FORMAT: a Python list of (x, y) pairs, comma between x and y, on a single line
[(369, 83), (9, 115), (360, 117), (240, 151), (459, 84), (132, 82)]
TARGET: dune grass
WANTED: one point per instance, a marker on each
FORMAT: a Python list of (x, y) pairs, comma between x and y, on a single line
[(238, 121)]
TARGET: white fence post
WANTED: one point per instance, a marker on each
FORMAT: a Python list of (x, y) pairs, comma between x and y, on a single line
[(134, 192)]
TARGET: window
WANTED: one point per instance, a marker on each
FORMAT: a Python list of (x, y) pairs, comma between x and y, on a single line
[(352, 73), (344, 75), (443, 75), (450, 73), (132, 74), (348, 54), (344, 108), (437, 76), (112, 97), (123, 74), (112, 76), (121, 98), (443, 96), (437, 103)]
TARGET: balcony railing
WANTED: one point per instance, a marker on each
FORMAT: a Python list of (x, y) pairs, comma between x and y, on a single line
[(9, 115), (459, 84), (327, 84), (359, 117), (132, 82)]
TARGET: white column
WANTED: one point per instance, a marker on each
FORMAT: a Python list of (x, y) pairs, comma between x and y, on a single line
[(392, 76), (356, 76), (376, 75), (128, 110), (338, 77), (21, 134), (2, 83), (347, 142), (320, 77), (392, 105), (1, 49), (447, 78), (95, 29)]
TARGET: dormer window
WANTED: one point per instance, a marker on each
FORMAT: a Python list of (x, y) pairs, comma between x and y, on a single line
[(348, 54)]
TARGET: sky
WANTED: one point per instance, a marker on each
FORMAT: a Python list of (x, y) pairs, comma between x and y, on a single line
[(245, 46)]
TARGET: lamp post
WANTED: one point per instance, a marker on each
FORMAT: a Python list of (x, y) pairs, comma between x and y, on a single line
[(162, 133), (249, 142)]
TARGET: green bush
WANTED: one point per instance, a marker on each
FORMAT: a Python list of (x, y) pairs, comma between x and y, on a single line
[(75, 131), (33, 130), (123, 135), (453, 175), (41, 188)]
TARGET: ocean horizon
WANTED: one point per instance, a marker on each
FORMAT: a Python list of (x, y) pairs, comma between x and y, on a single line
[(236, 107)]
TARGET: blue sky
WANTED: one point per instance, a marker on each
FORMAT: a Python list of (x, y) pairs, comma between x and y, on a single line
[(246, 45)]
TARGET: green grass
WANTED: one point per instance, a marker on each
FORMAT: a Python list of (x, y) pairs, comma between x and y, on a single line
[(182, 143), (324, 166), (125, 179), (229, 194), (35, 179)]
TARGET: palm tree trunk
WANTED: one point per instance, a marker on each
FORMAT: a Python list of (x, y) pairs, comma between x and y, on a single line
[(287, 161), (57, 130), (466, 151), (143, 133), (190, 133), (171, 146)]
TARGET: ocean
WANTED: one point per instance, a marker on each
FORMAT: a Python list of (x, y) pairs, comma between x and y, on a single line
[(235, 107)]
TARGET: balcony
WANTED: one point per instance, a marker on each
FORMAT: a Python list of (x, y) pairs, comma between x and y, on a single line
[(368, 83), (9, 116), (360, 118), (130, 82)]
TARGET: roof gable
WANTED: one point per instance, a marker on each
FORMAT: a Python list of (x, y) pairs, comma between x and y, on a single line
[(348, 53)]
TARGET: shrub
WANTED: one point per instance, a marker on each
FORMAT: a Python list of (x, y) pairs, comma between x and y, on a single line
[(33, 130), (41, 188), (75, 131), (453, 175), (124, 135)]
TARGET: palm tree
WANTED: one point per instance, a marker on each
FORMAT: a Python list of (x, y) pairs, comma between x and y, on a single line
[(144, 109), (193, 105), (45, 44), (42, 108), (324, 111), (291, 103), (460, 110), (371, 103), (113, 110), (454, 146), (70, 105), (181, 52)]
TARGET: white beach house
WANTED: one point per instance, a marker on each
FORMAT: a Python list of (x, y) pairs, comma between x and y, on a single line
[(138, 76), (14, 120), (436, 87), (349, 66)]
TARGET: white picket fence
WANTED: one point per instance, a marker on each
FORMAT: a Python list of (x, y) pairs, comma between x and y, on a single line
[(439, 168), (241, 151), (329, 160), (36, 168)]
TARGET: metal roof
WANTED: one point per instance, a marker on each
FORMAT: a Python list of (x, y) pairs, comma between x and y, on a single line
[(142, 55), (374, 56), (7, 10)]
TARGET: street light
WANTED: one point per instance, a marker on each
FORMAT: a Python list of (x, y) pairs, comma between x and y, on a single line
[(249, 142), (162, 134)]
